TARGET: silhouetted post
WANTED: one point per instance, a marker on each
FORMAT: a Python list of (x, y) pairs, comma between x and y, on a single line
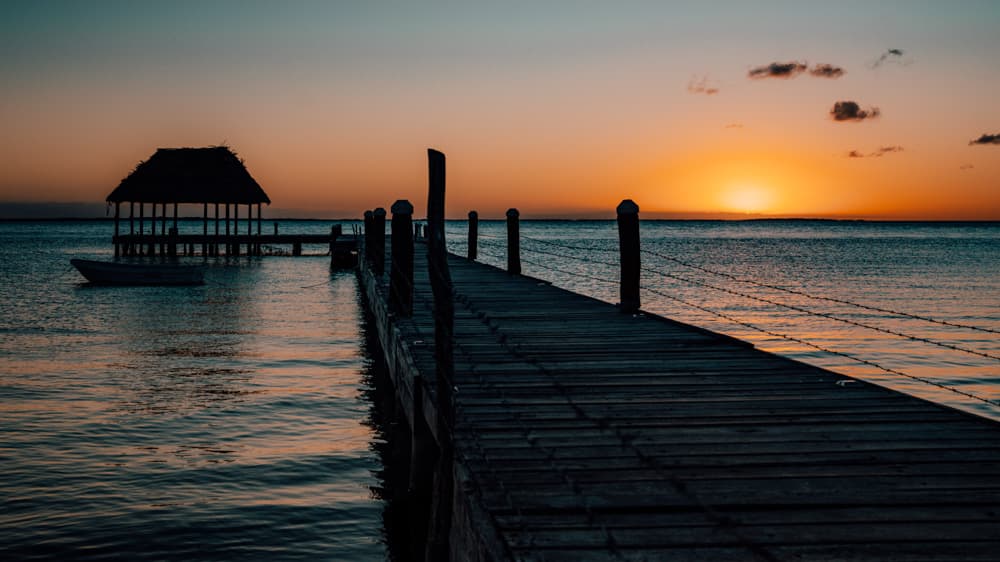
[(236, 229), (513, 242), (249, 229), (473, 235), (296, 248), (204, 229), (163, 229), (129, 248), (258, 229), (628, 242), (369, 250), (229, 247), (378, 237), (173, 242), (118, 206), (142, 208), (444, 322), (275, 228), (401, 271), (214, 246)]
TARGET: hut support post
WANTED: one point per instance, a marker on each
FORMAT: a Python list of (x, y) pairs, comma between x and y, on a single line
[(204, 229), (173, 233), (378, 237), (258, 229), (118, 206), (215, 243), (236, 229), (401, 272), (151, 249), (229, 246), (444, 321), (142, 207), (513, 242), (473, 235), (163, 229), (628, 242), (129, 248), (249, 229)]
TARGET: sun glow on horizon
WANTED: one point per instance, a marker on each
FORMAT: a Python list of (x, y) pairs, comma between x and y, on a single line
[(747, 198)]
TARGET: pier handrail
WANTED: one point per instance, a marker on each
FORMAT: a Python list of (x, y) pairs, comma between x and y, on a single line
[(495, 242)]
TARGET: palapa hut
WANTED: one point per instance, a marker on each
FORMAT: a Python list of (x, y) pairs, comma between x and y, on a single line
[(212, 175)]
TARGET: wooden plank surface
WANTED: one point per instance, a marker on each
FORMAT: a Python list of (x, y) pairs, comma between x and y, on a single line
[(588, 434)]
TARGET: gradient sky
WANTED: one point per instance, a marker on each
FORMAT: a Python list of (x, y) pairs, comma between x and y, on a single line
[(557, 108)]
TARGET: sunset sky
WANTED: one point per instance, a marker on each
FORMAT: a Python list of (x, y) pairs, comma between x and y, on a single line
[(692, 109)]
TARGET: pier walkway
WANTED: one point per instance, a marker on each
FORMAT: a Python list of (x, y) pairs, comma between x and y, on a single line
[(584, 433)]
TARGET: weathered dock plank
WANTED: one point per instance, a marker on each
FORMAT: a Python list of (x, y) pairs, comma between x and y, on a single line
[(582, 433)]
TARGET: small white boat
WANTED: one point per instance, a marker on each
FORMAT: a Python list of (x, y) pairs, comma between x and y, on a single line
[(117, 273)]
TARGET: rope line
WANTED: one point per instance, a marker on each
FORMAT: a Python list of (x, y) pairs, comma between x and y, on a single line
[(824, 315), (821, 348), (778, 334), (790, 307), (777, 287), (818, 297)]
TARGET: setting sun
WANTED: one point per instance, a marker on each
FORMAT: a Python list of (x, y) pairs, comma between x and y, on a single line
[(746, 198)]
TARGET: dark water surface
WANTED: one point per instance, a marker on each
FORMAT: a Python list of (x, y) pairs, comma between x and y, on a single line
[(234, 420), (226, 421)]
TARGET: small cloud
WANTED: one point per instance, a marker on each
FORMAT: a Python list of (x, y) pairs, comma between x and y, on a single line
[(826, 71), (966, 167), (778, 70), (851, 111), (702, 86), (734, 126), (793, 69), (890, 55), (986, 139), (882, 151)]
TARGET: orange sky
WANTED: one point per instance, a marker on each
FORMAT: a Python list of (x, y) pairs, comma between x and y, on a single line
[(556, 109)]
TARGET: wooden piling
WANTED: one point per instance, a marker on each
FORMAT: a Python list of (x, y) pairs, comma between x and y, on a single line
[(513, 242), (628, 243), (173, 243), (473, 235), (444, 321), (130, 247), (378, 239), (204, 229), (215, 244), (401, 272), (117, 216), (369, 250), (142, 209)]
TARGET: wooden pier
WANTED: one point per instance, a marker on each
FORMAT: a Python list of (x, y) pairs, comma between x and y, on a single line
[(546, 425)]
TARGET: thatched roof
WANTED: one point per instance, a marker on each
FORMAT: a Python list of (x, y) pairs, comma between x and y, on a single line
[(190, 175)]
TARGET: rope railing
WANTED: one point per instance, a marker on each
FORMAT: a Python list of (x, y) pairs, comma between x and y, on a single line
[(774, 287), (497, 243), (802, 310)]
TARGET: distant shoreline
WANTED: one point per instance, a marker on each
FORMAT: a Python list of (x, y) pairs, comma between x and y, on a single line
[(358, 219)]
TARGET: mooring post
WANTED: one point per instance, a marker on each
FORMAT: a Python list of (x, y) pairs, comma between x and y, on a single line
[(369, 221), (378, 237), (473, 235), (444, 322), (401, 271), (513, 242), (628, 242)]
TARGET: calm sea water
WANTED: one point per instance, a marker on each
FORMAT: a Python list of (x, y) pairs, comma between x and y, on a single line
[(235, 420), (227, 421)]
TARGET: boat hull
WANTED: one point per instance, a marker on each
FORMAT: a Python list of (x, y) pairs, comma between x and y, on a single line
[(111, 273)]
